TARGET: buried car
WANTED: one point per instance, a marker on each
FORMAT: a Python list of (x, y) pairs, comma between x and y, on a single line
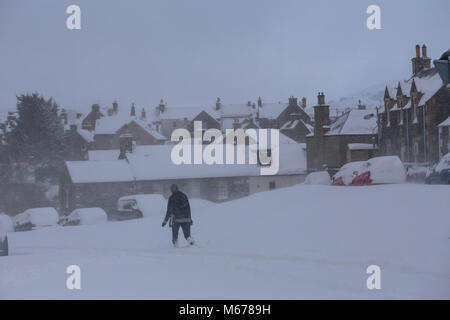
[(85, 216), (140, 205), (35, 218), (3, 240), (440, 174), (378, 170)]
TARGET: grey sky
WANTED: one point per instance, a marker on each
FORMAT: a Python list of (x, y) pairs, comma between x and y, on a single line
[(190, 52)]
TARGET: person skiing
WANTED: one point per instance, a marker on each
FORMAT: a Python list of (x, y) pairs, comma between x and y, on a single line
[(179, 214)]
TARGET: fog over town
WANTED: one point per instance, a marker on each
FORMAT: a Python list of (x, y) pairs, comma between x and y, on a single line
[(217, 150)]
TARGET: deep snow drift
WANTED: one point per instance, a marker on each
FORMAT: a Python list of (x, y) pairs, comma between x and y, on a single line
[(299, 242)]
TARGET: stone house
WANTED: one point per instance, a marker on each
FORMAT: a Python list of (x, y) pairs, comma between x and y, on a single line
[(100, 181), (408, 124), (331, 145)]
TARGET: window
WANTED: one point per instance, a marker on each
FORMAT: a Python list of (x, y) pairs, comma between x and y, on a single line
[(272, 185), (222, 190)]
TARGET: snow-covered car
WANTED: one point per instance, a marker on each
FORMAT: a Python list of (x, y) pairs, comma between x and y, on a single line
[(3, 238), (140, 205), (85, 216), (378, 170), (35, 218), (441, 172)]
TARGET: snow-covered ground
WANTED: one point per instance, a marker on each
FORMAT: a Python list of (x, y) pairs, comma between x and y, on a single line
[(301, 242)]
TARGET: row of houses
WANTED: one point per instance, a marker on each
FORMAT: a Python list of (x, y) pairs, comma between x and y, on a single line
[(413, 124), (107, 175)]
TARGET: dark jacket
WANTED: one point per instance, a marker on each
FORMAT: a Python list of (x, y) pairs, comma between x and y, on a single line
[(178, 207)]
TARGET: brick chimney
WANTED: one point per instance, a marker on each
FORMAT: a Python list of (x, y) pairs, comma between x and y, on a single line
[(125, 145), (293, 101), (143, 114), (96, 108), (420, 63), (303, 103), (64, 115), (259, 102), (162, 106), (115, 108), (321, 116), (218, 103)]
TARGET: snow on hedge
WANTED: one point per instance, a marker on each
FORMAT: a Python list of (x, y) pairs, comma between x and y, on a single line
[(318, 178), (6, 223)]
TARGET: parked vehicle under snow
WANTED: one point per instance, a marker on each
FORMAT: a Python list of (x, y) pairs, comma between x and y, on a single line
[(85, 216), (378, 170), (35, 218), (140, 205), (441, 172), (3, 239)]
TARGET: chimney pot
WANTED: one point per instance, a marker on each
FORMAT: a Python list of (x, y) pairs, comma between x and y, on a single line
[(424, 51), (417, 51)]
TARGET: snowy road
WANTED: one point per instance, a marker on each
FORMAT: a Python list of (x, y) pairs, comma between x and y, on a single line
[(299, 242)]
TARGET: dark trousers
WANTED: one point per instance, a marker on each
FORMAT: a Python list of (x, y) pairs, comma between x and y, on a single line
[(185, 226)]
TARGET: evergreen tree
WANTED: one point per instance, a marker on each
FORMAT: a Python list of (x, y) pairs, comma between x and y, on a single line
[(37, 136)]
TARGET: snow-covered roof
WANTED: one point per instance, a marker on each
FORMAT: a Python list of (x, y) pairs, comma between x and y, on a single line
[(189, 113), (290, 124), (87, 135), (392, 91), (406, 87), (428, 85), (354, 122), (271, 110), (99, 171), (235, 110), (147, 127), (110, 124), (445, 123), (154, 163)]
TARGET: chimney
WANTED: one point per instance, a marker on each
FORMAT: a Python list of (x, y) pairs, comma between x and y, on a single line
[(125, 145), (133, 110), (161, 106), (424, 51), (259, 102), (115, 107), (303, 103), (95, 108), (420, 63), (321, 116), (218, 103), (143, 114), (320, 99), (64, 115), (293, 101), (361, 106)]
